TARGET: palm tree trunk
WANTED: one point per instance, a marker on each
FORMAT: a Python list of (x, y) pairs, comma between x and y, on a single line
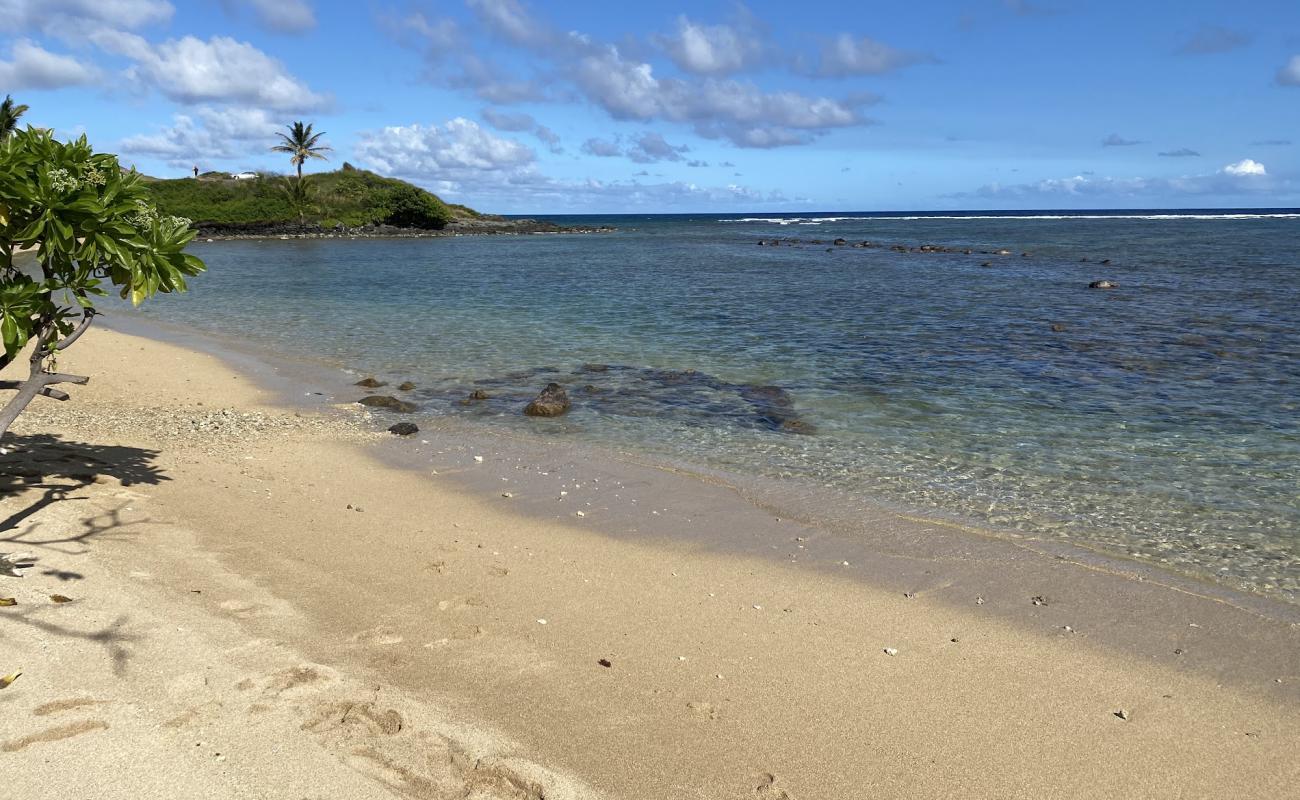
[(299, 170)]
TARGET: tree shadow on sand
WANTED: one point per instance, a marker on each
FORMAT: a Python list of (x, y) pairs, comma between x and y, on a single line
[(41, 470), (45, 470)]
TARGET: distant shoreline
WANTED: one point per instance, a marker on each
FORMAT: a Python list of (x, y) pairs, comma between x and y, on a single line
[(476, 227)]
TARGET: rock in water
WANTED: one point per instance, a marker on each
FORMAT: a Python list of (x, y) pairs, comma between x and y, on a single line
[(404, 429), (406, 386), (551, 402), (1103, 285), (840, 242), (369, 383), (387, 401)]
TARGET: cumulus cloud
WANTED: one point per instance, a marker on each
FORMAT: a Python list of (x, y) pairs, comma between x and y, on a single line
[(847, 55), (601, 148), (286, 16), (519, 123), (1289, 75), (456, 152), (715, 49), (221, 70), (651, 147), (697, 163), (1246, 177), (1182, 152), (33, 67), (462, 161), (1213, 39), (1115, 140), (208, 134), (627, 87), (1245, 167), (57, 15), (508, 121)]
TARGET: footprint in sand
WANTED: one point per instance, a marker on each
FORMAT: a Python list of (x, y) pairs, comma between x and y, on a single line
[(56, 706), (293, 682), (360, 717), (704, 710), (381, 635), (244, 609), (54, 734)]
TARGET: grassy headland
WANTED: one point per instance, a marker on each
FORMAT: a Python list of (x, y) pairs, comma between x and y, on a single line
[(347, 198)]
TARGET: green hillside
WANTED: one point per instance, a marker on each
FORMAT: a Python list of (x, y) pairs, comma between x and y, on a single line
[(349, 197)]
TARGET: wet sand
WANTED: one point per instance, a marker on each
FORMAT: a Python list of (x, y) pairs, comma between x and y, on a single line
[(265, 603)]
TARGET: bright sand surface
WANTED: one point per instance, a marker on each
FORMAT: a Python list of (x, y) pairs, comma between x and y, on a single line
[(262, 608)]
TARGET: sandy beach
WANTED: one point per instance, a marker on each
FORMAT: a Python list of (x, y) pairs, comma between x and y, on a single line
[(254, 604)]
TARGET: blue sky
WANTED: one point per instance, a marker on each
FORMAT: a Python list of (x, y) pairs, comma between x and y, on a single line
[(543, 107)]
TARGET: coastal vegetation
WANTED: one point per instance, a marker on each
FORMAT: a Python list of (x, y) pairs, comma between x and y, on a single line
[(349, 197), (72, 223)]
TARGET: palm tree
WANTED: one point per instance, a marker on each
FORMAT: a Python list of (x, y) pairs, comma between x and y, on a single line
[(299, 195), (9, 114), (300, 143)]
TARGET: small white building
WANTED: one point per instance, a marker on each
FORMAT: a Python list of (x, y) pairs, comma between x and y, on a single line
[(243, 176)]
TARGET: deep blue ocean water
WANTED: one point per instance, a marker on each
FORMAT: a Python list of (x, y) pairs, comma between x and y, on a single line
[(1160, 419)]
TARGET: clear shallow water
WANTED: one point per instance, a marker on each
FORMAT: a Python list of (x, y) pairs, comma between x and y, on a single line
[(1163, 420)]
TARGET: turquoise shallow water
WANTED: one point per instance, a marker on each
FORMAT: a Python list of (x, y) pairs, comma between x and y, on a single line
[(1163, 420)]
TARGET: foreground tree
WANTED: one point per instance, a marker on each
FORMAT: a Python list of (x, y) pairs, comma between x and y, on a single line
[(301, 144), (9, 114), (71, 221)]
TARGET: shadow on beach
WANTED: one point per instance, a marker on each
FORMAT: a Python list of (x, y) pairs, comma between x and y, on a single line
[(44, 469)]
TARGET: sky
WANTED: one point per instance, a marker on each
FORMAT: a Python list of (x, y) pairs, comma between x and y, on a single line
[(513, 106)]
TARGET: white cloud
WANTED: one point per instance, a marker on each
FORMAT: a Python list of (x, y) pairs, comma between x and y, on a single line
[(1289, 75), (521, 123), (650, 147), (54, 15), (1246, 177), (713, 49), (601, 148), (286, 16), (741, 112), (460, 151), (33, 67), (219, 70), (508, 121), (207, 135), (1247, 166), (846, 55), (1115, 140), (627, 88)]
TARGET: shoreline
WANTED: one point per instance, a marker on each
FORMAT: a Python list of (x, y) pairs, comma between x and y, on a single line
[(359, 589), (331, 386)]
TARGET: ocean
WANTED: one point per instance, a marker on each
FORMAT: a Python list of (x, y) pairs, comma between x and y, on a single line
[(1159, 420)]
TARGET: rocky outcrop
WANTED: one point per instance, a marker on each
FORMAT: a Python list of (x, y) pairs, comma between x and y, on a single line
[(405, 386), (550, 402), (1103, 285), (369, 383), (404, 429)]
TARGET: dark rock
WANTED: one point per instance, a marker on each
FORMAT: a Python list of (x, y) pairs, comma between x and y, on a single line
[(1024, 255), (987, 264), (405, 386), (830, 249), (1105, 261), (387, 402), (1103, 285), (369, 383), (479, 394), (592, 389), (1058, 327), (550, 402), (594, 368), (840, 242), (1083, 260), (403, 429)]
